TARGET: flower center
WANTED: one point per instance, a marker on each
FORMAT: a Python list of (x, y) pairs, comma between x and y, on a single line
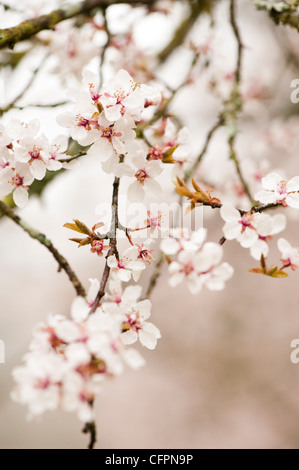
[(188, 268), (18, 180), (282, 187), (35, 153), (141, 176)]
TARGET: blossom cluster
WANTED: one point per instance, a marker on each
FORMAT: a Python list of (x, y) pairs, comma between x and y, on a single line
[(197, 262), (106, 120), (26, 155), (70, 358)]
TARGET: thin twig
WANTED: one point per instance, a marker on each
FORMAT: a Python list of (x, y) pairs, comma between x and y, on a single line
[(90, 428), (190, 171), (39, 105), (113, 246), (25, 89), (196, 8), (62, 262), (67, 160), (29, 28), (235, 103), (236, 31)]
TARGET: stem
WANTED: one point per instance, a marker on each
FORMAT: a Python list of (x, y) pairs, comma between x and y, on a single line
[(233, 156), (26, 88), (33, 233), (196, 8), (236, 31), (90, 428), (155, 276), (235, 100), (29, 28), (105, 47), (190, 171), (113, 246)]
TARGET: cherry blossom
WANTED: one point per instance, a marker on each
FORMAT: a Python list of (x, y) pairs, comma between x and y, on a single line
[(145, 173), (130, 264), (180, 239), (277, 190), (134, 313), (200, 268), (70, 358), (237, 226), (290, 254), (16, 179), (252, 229), (123, 96), (266, 228)]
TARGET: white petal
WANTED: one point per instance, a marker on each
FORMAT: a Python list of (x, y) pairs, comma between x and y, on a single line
[(66, 120), (101, 149), (152, 188), (20, 196), (258, 248), (266, 197), (229, 213), (271, 181), (292, 200), (293, 184), (279, 223), (283, 245), (169, 246), (129, 337), (79, 309), (247, 238), (135, 192), (38, 169), (232, 230), (154, 168)]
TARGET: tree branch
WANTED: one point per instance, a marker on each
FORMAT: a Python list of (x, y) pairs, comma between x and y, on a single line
[(33, 233), (29, 28), (196, 8), (287, 15), (90, 428), (113, 246)]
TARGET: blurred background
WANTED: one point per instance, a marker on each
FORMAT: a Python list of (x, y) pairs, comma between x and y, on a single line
[(221, 376)]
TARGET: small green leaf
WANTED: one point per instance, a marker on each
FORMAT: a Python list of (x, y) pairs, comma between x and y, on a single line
[(72, 227), (279, 274), (82, 227)]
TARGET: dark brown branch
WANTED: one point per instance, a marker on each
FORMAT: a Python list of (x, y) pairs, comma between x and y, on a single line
[(90, 428), (27, 29), (33, 233), (234, 104), (113, 246)]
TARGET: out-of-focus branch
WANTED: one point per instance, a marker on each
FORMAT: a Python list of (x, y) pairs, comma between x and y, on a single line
[(27, 29), (281, 12), (90, 428), (196, 8), (33, 233), (12, 105), (190, 171), (234, 105), (105, 47)]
